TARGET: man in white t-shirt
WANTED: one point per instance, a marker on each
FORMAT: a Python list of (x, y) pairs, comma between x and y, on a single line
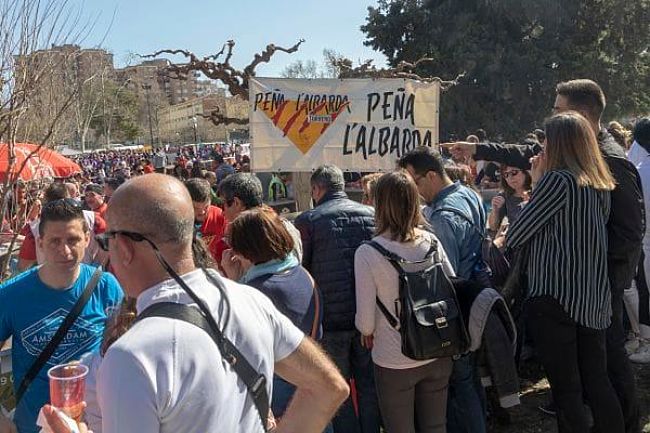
[(168, 375)]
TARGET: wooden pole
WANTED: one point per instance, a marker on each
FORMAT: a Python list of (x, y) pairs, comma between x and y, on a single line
[(302, 190)]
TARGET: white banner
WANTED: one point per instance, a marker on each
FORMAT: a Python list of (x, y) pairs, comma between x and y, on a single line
[(356, 124)]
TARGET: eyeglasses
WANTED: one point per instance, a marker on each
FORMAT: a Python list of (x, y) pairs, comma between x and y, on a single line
[(511, 173), (103, 239)]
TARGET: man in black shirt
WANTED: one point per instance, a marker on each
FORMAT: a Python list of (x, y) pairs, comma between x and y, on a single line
[(625, 227)]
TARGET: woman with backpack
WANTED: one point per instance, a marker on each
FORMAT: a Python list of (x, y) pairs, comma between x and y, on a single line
[(410, 392), (562, 231)]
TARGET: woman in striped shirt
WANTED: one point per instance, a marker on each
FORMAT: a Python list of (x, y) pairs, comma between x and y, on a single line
[(568, 306)]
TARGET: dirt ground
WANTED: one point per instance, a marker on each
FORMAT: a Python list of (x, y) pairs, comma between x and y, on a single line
[(527, 418)]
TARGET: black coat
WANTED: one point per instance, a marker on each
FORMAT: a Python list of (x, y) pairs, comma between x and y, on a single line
[(331, 233), (626, 224)]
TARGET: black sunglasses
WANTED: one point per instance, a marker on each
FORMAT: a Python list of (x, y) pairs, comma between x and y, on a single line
[(63, 201), (103, 239)]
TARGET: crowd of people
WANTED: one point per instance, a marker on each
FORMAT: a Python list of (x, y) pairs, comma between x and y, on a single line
[(215, 313)]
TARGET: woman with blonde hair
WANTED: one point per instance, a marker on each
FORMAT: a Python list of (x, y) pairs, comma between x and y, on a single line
[(410, 392), (563, 231)]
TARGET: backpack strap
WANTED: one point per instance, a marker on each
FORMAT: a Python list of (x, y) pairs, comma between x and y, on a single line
[(254, 381), (51, 347), (397, 262)]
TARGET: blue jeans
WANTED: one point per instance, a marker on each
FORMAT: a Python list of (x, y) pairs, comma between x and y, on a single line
[(465, 403), (354, 362)]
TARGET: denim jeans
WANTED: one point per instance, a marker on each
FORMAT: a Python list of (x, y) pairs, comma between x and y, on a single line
[(466, 401), (354, 362)]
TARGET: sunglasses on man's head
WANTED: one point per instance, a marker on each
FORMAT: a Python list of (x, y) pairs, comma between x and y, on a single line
[(63, 202)]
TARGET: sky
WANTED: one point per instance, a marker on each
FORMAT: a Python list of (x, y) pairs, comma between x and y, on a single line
[(127, 27)]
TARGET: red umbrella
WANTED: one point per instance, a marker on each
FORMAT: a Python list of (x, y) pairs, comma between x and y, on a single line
[(43, 162)]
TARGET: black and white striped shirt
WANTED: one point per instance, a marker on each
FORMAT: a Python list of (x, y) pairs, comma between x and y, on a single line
[(564, 227)]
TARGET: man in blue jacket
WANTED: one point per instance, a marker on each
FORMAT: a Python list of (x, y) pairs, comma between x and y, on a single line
[(331, 233), (457, 218)]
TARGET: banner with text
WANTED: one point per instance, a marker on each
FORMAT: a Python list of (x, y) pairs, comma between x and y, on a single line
[(356, 124)]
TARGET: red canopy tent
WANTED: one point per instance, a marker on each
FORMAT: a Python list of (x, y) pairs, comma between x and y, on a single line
[(43, 162)]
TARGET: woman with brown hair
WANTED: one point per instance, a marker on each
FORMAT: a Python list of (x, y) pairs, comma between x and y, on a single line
[(410, 392), (261, 256), (515, 192), (563, 229)]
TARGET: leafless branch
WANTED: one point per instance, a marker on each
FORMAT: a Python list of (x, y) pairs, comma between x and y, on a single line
[(221, 119), (402, 70), (235, 80)]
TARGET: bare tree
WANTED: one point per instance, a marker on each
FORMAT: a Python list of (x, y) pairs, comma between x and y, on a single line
[(27, 27), (235, 80)]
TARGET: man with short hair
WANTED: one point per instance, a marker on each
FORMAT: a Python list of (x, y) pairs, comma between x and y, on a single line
[(331, 233), (94, 195), (241, 192), (30, 252), (168, 375), (34, 304), (458, 219), (222, 169), (209, 221), (110, 185), (625, 227)]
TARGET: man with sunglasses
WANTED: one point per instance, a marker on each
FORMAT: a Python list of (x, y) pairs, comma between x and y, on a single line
[(35, 303), (458, 219), (168, 375), (625, 227), (30, 252)]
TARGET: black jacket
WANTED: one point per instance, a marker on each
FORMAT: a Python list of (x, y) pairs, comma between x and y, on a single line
[(626, 224), (331, 233)]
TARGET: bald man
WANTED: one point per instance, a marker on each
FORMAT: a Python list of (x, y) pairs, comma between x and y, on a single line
[(168, 375)]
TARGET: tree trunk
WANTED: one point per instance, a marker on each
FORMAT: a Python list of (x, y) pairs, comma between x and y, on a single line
[(302, 190)]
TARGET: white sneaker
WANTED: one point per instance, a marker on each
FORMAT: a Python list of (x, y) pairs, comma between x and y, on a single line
[(642, 355), (632, 343)]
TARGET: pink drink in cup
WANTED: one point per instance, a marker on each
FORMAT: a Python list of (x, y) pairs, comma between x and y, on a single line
[(68, 388)]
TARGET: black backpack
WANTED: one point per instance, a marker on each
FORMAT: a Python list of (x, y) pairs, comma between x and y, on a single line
[(430, 321)]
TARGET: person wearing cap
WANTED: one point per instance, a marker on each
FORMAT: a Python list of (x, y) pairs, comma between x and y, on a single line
[(94, 195)]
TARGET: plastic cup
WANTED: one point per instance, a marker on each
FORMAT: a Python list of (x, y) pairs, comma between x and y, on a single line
[(68, 388)]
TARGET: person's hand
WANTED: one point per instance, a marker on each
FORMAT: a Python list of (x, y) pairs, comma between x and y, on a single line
[(498, 201), (461, 149), (35, 211), (367, 341), (6, 425), (57, 425), (538, 169)]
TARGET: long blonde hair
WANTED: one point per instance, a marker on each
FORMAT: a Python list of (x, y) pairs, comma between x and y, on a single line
[(571, 145)]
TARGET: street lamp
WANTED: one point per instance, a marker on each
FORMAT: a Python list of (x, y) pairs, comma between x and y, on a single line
[(147, 89), (194, 125)]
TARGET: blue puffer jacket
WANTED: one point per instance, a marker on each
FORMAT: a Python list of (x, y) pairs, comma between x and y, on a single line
[(331, 233)]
